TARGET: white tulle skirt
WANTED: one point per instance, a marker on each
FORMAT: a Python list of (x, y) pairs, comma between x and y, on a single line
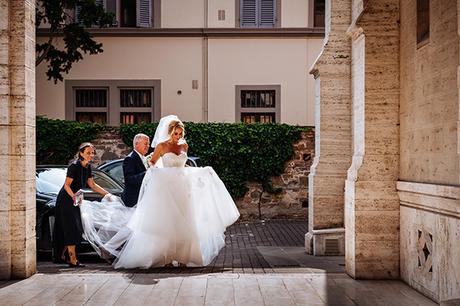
[(181, 216)]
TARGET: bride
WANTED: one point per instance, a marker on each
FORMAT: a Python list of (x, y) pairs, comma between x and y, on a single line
[(181, 215)]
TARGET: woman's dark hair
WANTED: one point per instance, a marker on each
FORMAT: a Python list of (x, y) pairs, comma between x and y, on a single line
[(81, 149)]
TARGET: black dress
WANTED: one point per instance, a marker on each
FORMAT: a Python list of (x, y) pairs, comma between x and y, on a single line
[(68, 228)]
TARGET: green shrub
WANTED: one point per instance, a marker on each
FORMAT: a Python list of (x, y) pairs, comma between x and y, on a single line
[(58, 140), (238, 152)]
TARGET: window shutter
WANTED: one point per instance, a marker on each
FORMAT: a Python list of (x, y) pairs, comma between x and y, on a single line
[(248, 13), (77, 14), (111, 6), (267, 13), (144, 12)]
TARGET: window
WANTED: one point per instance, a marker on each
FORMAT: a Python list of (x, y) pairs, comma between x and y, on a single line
[(135, 97), (91, 104), (423, 21), (130, 13), (319, 13), (108, 5), (127, 13), (135, 118), (258, 13), (91, 97), (113, 102), (136, 105), (258, 117), (257, 98), (258, 103)]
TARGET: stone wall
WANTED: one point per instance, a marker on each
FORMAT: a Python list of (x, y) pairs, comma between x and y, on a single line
[(429, 97), (430, 231), (371, 199), (429, 171), (17, 139), (402, 194), (290, 203), (109, 146), (333, 128)]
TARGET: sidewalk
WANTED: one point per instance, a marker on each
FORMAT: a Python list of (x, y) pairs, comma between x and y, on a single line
[(263, 263), (207, 289)]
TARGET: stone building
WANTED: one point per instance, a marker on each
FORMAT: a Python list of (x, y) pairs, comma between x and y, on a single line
[(384, 185)]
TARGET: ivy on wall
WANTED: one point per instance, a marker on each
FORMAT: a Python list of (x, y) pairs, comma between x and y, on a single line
[(238, 152)]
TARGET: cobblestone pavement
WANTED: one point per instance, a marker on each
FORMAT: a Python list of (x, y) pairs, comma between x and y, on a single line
[(242, 253)]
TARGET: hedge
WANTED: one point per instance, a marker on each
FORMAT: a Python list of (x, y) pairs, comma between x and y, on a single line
[(58, 140), (238, 152)]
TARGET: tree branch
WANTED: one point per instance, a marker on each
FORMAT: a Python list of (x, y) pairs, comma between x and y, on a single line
[(44, 53)]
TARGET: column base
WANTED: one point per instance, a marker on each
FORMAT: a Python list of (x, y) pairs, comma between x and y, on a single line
[(325, 242)]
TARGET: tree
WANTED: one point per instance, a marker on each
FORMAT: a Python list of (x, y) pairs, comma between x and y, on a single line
[(58, 15)]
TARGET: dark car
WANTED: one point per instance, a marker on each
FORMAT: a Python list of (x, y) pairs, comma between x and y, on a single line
[(115, 167), (49, 180)]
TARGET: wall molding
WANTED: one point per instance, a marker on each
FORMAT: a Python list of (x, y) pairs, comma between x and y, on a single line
[(434, 198), (201, 32)]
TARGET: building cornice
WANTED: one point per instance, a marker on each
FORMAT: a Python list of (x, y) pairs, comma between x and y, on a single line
[(201, 32)]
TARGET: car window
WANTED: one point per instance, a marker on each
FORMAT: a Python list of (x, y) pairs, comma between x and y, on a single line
[(50, 180), (104, 182), (116, 172)]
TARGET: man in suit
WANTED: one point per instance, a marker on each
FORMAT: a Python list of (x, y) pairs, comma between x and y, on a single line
[(134, 167)]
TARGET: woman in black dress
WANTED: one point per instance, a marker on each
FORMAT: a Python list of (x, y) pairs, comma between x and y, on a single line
[(68, 228)]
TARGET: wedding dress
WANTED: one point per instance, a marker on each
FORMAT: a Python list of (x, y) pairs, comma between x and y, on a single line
[(181, 216)]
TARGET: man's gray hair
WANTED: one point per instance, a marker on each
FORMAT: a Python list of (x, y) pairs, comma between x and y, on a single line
[(138, 138)]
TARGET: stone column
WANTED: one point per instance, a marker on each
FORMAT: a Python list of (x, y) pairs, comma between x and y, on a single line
[(332, 133), (17, 139), (371, 199)]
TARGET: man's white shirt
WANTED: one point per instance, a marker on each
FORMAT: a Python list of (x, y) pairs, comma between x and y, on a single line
[(144, 160)]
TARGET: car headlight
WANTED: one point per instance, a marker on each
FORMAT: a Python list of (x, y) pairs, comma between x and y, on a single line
[(51, 204)]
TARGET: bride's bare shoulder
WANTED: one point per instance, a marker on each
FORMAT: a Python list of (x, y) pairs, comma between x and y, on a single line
[(161, 147), (162, 144)]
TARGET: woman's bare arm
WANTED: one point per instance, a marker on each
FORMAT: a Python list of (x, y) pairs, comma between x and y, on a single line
[(156, 154), (67, 188), (95, 187)]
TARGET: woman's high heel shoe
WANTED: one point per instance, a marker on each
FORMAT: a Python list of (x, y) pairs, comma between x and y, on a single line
[(65, 256), (77, 265)]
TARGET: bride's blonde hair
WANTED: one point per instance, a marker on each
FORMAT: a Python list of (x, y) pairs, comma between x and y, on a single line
[(173, 125)]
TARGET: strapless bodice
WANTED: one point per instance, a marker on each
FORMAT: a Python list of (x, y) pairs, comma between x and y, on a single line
[(171, 159)]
